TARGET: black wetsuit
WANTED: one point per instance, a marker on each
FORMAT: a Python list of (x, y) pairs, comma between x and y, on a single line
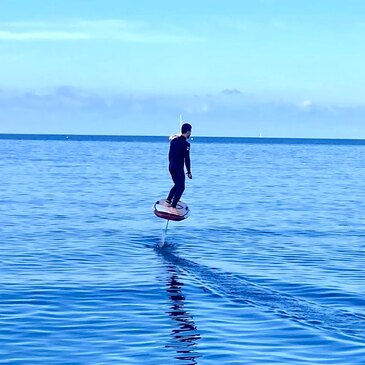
[(178, 155)]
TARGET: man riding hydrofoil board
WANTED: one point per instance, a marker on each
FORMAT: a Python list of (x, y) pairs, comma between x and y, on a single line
[(179, 155)]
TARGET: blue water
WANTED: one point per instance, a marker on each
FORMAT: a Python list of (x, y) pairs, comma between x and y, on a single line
[(269, 268)]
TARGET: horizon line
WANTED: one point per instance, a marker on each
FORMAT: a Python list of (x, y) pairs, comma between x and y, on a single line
[(113, 136)]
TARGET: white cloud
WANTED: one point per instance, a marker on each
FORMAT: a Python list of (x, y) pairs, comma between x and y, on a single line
[(306, 104), (104, 29), (42, 35)]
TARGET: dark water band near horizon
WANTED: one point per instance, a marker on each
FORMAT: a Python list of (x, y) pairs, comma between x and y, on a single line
[(268, 269), (196, 139)]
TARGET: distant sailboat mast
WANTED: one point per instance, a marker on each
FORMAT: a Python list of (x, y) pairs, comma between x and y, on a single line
[(178, 134)]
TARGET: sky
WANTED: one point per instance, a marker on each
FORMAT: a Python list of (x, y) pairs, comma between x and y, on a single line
[(276, 68)]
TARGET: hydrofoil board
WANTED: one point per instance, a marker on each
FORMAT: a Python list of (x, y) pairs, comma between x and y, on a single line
[(161, 210)]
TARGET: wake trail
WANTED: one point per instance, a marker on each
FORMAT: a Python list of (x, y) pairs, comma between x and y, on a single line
[(242, 290)]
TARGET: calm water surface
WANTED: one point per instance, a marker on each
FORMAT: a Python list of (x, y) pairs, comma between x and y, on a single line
[(269, 268)]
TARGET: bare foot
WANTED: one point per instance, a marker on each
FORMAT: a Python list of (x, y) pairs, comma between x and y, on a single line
[(166, 204)]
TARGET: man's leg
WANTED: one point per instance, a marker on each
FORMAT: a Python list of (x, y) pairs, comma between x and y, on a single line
[(179, 180), (173, 189), (171, 194)]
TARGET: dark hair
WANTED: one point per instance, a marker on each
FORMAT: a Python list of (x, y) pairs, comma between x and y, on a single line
[(186, 127)]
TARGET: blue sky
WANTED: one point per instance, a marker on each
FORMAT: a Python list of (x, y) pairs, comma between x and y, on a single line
[(282, 68)]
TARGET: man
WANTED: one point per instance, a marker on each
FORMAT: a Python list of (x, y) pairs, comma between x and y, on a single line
[(179, 155)]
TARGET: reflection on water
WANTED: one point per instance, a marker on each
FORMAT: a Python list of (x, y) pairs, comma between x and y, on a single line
[(185, 334)]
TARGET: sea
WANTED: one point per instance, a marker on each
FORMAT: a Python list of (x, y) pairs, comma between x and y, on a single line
[(268, 269)]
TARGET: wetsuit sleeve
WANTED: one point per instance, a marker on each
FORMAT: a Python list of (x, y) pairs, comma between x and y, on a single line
[(172, 150), (187, 159)]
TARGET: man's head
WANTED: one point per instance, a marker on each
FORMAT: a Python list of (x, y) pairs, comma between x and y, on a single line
[(186, 130)]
